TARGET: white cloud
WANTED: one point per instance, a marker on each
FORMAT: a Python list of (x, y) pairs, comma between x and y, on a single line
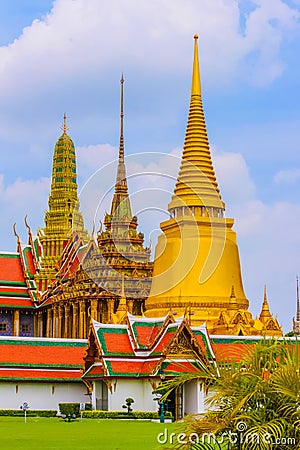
[(287, 176), (232, 171), (84, 37), (22, 197), (267, 27)]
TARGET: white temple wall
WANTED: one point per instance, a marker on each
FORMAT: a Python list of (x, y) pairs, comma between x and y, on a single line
[(41, 395), (140, 390), (193, 398)]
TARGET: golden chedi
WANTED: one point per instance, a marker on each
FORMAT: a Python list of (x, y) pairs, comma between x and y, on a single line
[(197, 267)]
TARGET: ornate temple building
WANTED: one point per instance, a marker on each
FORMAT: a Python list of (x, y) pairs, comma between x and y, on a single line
[(59, 281), (198, 268), (54, 285), (103, 278)]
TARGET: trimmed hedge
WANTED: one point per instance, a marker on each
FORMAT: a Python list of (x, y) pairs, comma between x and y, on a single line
[(97, 414), (29, 412), (88, 414), (69, 409)]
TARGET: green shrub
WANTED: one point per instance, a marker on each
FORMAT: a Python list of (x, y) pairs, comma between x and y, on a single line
[(98, 414), (69, 409), (29, 412), (128, 403)]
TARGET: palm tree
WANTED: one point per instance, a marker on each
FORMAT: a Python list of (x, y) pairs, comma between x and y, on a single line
[(255, 402)]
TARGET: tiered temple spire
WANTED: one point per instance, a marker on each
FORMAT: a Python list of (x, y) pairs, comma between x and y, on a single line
[(121, 245), (265, 310), (196, 186), (120, 208), (63, 216), (296, 321)]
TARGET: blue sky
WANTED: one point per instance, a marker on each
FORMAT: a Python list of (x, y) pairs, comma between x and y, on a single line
[(67, 56)]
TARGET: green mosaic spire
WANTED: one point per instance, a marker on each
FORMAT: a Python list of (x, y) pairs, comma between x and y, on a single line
[(63, 216)]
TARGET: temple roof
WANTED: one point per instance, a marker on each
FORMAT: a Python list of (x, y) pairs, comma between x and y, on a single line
[(16, 284), (143, 346), (41, 359)]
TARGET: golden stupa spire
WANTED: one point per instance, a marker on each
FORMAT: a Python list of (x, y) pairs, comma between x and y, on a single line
[(196, 185), (232, 300), (196, 85), (265, 310), (65, 127)]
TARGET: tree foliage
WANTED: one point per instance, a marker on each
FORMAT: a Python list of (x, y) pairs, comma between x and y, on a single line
[(254, 402)]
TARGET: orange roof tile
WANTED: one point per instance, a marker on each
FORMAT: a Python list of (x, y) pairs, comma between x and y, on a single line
[(124, 367), (166, 339), (115, 341), (146, 334), (41, 352), (10, 268), (13, 302), (33, 374), (30, 264), (231, 350), (179, 367)]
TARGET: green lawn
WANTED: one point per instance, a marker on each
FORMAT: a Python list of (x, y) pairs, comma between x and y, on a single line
[(45, 434)]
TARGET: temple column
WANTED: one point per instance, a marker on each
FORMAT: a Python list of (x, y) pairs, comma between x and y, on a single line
[(75, 321), (94, 309), (67, 333), (130, 306), (55, 321), (16, 326), (40, 324), (110, 310), (49, 323), (60, 320), (81, 320)]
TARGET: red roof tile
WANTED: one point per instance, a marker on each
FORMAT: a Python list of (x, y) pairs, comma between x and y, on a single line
[(29, 258), (148, 367), (179, 367), (166, 339), (146, 334), (125, 367), (40, 353), (231, 350), (10, 268), (116, 342), (13, 302), (33, 374), (14, 290), (95, 371)]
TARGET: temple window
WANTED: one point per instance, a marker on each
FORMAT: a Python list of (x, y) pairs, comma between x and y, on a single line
[(25, 328), (3, 327)]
